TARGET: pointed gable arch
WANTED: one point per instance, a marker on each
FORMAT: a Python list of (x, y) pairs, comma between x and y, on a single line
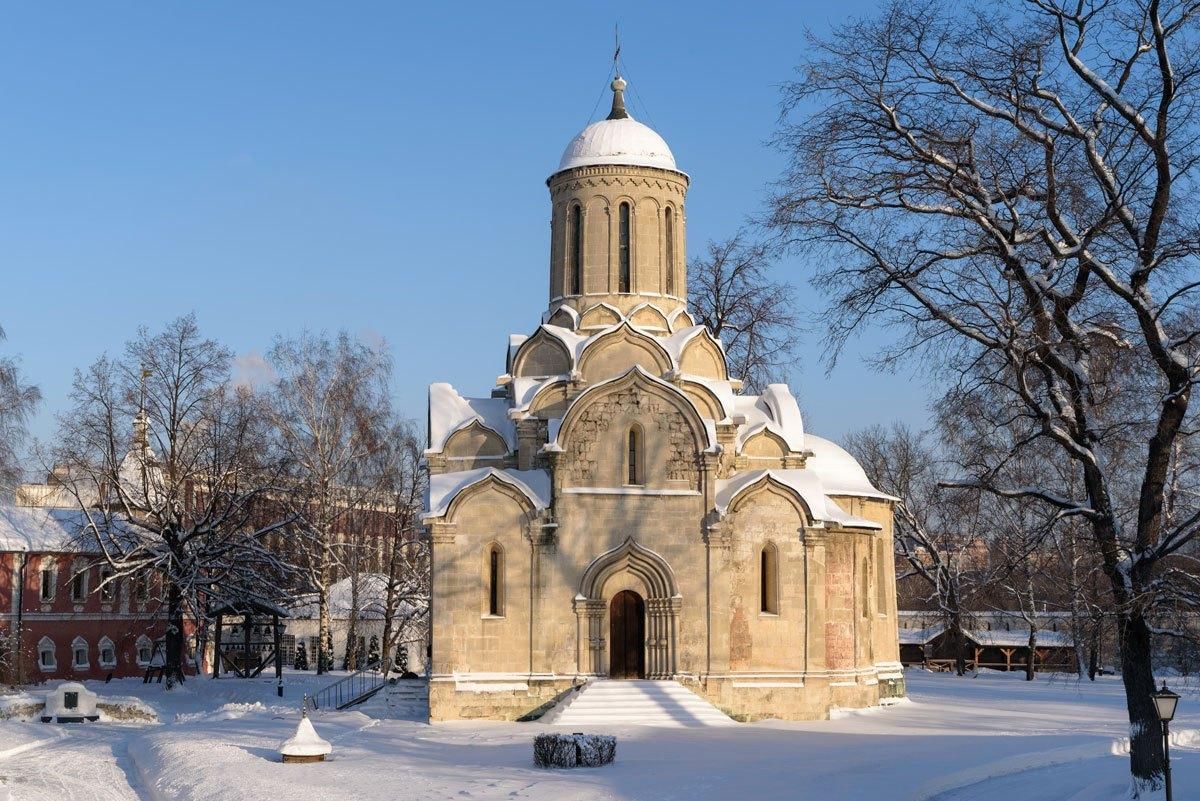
[(680, 319), (706, 401), (654, 571), (765, 443), (543, 354), (550, 400), (493, 482), (592, 436), (602, 315), (769, 487), (702, 355), (613, 352), (562, 316), (648, 316), (474, 440)]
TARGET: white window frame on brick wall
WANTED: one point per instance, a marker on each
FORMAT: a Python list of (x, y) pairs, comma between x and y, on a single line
[(47, 567), (144, 642), (46, 645), (107, 644), (79, 644), (80, 579)]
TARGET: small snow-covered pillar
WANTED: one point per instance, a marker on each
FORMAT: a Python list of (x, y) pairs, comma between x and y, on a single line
[(305, 745)]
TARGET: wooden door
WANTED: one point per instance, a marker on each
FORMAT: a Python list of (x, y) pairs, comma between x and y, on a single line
[(627, 636)]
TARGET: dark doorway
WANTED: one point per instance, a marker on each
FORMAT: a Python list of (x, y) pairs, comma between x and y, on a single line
[(627, 636)]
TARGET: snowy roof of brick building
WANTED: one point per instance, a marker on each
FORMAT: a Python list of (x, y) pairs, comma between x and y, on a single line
[(35, 529), (445, 487), (372, 599)]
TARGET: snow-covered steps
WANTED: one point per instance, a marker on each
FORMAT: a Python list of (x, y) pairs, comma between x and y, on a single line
[(636, 703)]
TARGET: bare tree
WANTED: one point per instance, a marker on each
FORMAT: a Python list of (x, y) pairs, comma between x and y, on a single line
[(407, 566), (1011, 185), (18, 401), (330, 410), (175, 455), (937, 530), (730, 291)]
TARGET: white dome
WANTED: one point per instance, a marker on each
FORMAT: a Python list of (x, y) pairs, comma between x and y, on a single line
[(621, 141)]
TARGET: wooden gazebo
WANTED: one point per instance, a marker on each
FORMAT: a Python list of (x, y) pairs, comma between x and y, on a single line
[(244, 658)]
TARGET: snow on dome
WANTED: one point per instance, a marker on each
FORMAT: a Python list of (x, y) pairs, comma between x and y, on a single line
[(623, 141), (839, 471), (619, 139)]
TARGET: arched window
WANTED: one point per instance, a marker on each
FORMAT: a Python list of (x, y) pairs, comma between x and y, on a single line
[(79, 654), (575, 267), (633, 457), (108, 653), (145, 650), (623, 248), (669, 255), (495, 582), (768, 580), (47, 661)]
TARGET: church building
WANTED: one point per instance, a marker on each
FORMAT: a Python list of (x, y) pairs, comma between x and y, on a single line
[(616, 508)]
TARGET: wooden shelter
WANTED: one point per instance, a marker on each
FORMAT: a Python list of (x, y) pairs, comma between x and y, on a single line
[(259, 643)]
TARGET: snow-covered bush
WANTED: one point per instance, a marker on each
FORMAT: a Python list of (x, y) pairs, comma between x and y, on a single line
[(573, 750)]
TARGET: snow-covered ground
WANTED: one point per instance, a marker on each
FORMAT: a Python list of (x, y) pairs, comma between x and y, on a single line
[(988, 738)]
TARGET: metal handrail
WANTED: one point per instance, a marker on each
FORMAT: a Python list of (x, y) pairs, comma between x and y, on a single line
[(347, 690)]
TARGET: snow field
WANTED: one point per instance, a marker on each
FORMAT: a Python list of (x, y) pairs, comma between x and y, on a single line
[(986, 738)]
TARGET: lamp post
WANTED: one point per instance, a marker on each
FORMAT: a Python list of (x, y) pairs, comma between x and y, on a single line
[(1165, 702)]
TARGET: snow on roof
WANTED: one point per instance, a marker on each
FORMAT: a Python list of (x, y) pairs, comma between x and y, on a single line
[(449, 412), (526, 389), (839, 471), (36, 529), (919, 636), (443, 488), (372, 599), (620, 141), (776, 411), (1018, 637), (805, 483)]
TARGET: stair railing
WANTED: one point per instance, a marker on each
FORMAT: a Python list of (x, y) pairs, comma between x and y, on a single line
[(349, 690)]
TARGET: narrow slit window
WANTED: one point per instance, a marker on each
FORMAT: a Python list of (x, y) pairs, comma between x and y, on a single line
[(623, 249), (669, 254), (634, 458), (47, 584), (495, 581), (768, 575), (576, 265)]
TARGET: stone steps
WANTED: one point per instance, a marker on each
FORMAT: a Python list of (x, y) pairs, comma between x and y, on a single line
[(638, 703)]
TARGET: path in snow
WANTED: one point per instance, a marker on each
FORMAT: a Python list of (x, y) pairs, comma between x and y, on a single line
[(88, 763)]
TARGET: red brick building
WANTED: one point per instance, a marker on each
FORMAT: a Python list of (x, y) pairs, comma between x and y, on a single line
[(68, 625)]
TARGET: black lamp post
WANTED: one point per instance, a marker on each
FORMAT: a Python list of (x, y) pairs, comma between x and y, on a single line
[(1165, 702)]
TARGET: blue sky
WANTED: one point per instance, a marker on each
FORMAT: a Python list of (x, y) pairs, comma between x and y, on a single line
[(377, 167)]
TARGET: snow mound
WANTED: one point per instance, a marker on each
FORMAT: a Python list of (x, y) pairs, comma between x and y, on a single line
[(305, 742)]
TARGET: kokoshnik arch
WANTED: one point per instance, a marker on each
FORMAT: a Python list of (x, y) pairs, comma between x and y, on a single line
[(618, 509)]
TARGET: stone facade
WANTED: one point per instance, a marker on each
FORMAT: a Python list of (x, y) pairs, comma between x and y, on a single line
[(617, 454)]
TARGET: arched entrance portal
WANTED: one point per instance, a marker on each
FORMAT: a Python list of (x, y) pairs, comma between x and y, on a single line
[(627, 636), (657, 612)]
